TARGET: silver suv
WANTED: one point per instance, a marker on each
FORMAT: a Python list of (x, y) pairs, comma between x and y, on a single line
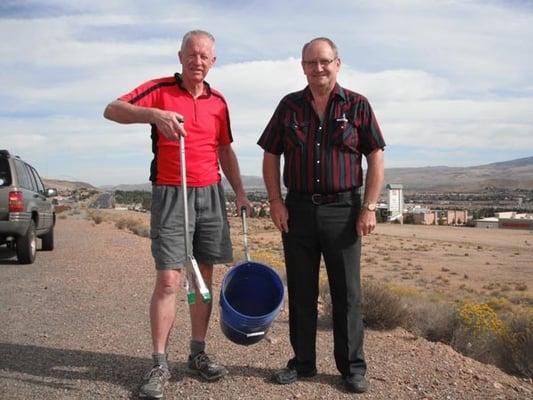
[(26, 211)]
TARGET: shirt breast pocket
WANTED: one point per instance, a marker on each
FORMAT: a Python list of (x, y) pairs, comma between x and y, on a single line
[(345, 137), (295, 136)]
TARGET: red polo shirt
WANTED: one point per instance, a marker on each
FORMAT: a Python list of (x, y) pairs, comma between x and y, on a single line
[(207, 125)]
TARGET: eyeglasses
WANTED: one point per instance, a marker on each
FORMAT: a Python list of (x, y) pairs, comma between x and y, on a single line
[(322, 62)]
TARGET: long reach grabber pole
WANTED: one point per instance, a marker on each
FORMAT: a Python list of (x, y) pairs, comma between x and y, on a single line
[(194, 279)]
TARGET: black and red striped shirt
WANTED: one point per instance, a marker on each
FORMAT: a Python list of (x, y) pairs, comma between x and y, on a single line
[(322, 156)]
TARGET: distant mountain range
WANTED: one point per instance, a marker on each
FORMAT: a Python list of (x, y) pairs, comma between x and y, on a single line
[(63, 186), (514, 174)]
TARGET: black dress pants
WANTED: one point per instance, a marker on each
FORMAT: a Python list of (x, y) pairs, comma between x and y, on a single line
[(327, 230)]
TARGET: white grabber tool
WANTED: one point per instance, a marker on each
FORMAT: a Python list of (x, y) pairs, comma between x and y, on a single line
[(193, 279)]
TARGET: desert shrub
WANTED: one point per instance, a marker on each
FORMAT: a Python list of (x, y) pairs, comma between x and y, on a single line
[(435, 321), (382, 309), (121, 223), (500, 304), (96, 218), (139, 229), (515, 355), (520, 287), (479, 318), (524, 299), (479, 332)]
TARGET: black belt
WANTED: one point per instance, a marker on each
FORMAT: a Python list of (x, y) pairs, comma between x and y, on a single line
[(319, 199)]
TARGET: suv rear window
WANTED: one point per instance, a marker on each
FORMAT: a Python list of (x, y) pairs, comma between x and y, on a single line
[(5, 173), (23, 177)]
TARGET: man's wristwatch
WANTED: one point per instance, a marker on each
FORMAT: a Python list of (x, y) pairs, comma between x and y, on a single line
[(369, 206)]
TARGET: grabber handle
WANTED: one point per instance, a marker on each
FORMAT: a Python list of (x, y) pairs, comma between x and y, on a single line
[(194, 278), (199, 280), (189, 285), (245, 233)]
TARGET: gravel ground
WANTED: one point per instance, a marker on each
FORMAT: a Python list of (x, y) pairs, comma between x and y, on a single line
[(74, 325)]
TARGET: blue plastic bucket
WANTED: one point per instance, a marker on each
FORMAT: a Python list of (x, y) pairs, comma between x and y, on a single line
[(251, 297)]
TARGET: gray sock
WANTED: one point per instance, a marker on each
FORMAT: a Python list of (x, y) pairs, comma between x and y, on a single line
[(160, 359), (197, 347)]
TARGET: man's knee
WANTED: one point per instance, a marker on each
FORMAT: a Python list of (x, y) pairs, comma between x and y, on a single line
[(167, 282)]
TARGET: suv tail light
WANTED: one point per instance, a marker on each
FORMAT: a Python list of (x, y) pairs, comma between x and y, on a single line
[(16, 201)]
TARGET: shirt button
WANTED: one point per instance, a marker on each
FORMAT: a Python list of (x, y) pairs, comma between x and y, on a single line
[(318, 180), (318, 162), (318, 144)]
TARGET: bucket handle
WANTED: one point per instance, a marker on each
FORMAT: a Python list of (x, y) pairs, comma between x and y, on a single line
[(249, 335), (245, 233)]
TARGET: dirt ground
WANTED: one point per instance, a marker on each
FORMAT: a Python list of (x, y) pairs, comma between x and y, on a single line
[(454, 261), (74, 325)]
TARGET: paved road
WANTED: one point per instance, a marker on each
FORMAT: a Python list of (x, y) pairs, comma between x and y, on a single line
[(62, 320)]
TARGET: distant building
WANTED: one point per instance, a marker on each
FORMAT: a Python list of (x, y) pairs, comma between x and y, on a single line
[(487, 223), (424, 216), (395, 201), (507, 220), (456, 217), (513, 220)]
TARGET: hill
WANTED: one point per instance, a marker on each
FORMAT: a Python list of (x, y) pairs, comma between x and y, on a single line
[(513, 174), (62, 186)]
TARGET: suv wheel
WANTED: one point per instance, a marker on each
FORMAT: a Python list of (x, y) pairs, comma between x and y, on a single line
[(27, 246), (48, 240)]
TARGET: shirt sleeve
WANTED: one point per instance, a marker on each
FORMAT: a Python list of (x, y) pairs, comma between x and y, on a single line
[(371, 137), (271, 139), (145, 95)]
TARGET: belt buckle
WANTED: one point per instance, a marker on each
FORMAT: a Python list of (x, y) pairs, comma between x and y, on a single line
[(316, 199)]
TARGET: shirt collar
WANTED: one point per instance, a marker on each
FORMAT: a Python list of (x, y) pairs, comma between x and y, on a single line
[(337, 91), (179, 81)]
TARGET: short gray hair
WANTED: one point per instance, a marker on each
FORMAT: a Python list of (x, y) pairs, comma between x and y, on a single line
[(196, 32), (321, 39)]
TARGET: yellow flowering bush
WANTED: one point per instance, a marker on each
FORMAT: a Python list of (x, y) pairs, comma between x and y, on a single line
[(481, 319)]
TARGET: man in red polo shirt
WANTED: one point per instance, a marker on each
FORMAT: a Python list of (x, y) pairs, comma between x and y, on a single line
[(184, 104)]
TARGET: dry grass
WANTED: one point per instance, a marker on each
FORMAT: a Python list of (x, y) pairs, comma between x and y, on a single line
[(382, 309), (515, 354)]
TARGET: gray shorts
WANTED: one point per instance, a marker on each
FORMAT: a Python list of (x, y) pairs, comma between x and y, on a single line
[(208, 226)]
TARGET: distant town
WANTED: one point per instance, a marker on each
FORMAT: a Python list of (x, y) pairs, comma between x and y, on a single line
[(490, 208), (497, 195)]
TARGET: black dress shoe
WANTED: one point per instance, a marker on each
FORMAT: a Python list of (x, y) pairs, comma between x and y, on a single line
[(288, 375), (355, 383)]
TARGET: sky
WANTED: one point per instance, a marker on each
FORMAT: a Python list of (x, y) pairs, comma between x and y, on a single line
[(450, 82)]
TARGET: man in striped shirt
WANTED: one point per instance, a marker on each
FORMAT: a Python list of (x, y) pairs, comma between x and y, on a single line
[(184, 104), (323, 132)]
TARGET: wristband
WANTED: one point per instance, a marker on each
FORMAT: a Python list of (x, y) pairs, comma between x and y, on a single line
[(274, 199)]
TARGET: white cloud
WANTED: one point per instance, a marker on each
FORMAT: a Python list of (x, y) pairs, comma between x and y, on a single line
[(443, 77)]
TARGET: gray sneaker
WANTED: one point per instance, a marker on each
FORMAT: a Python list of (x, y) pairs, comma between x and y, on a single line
[(153, 382), (202, 365)]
